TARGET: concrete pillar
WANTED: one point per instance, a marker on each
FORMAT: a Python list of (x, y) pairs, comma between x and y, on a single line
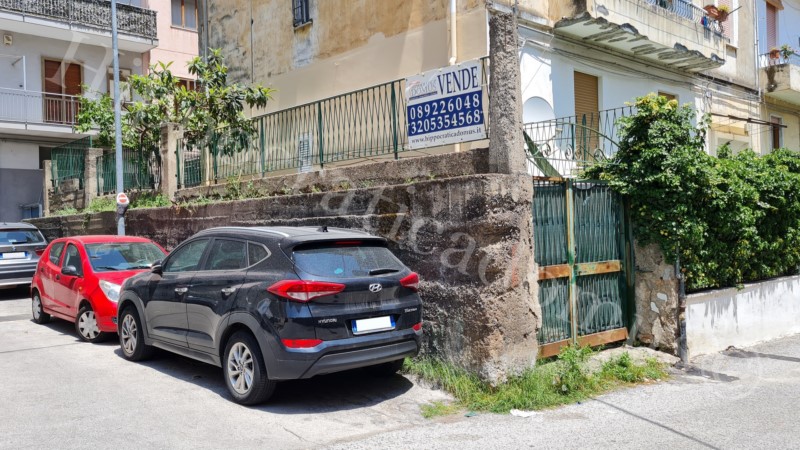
[(506, 151), (170, 169), (47, 183), (90, 174)]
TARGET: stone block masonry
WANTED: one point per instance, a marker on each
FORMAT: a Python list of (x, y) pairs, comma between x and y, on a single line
[(467, 235)]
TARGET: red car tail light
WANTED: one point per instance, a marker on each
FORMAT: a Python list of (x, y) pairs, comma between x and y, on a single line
[(39, 251), (411, 281), (304, 291), (301, 343)]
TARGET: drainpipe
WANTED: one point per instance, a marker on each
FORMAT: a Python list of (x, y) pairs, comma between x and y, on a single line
[(683, 350), (761, 104), (454, 46)]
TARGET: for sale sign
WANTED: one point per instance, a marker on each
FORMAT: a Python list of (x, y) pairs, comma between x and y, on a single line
[(445, 106)]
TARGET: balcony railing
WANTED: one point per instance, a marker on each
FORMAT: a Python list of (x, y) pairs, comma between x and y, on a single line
[(689, 11), (90, 13), (765, 60), (37, 107)]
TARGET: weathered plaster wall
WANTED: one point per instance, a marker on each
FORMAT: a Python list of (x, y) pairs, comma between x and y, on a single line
[(348, 46), (716, 320), (468, 236), (656, 299)]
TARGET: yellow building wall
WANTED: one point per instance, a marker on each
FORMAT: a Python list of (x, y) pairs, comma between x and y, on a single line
[(350, 45)]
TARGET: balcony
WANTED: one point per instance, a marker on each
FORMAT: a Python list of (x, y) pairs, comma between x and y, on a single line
[(673, 33), (81, 20), (24, 111), (780, 78)]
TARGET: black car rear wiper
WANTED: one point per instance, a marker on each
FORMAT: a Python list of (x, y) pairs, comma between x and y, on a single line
[(382, 271)]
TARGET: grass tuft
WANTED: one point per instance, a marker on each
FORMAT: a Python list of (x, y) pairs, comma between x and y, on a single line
[(550, 384)]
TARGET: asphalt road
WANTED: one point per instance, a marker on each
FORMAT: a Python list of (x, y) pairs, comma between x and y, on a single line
[(58, 392)]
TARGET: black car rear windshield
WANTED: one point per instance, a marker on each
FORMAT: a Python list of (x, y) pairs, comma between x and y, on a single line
[(123, 255), (15, 236), (346, 260)]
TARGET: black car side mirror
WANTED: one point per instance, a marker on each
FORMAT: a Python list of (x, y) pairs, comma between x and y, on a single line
[(156, 268), (69, 270)]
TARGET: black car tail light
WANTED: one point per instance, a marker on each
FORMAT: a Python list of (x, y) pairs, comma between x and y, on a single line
[(304, 291), (410, 281)]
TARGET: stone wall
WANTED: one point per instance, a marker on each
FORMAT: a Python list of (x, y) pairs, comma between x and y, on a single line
[(468, 236), (656, 300)]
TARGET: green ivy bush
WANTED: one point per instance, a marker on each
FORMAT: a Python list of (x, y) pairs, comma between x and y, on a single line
[(731, 219)]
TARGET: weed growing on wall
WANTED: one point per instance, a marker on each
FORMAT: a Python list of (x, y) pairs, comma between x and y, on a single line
[(731, 219)]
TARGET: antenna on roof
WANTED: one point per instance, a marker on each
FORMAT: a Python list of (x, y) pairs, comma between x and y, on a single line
[(323, 229)]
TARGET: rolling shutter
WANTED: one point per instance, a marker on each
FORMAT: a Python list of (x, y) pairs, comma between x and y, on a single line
[(72, 79), (728, 26), (587, 115), (772, 26)]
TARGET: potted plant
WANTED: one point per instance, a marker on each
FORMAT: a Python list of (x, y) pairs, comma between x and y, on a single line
[(786, 51), (712, 11), (774, 53), (723, 12)]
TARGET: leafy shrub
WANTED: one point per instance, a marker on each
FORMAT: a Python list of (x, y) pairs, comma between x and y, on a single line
[(730, 219)]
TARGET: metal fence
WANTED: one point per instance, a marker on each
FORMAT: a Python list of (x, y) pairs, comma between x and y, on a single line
[(24, 106), (563, 147), (364, 124), (141, 170), (68, 161), (765, 60)]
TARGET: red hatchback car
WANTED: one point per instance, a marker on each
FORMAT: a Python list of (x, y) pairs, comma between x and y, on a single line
[(78, 279)]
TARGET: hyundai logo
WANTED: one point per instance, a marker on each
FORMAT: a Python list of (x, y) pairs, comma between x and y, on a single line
[(375, 287)]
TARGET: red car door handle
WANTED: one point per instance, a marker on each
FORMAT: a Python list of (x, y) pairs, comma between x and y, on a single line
[(58, 277)]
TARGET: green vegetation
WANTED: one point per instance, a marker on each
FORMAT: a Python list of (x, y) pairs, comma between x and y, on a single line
[(67, 211), (563, 381), (217, 103), (730, 219), (150, 200), (101, 204)]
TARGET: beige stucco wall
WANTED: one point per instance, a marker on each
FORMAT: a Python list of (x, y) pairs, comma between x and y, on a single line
[(350, 44)]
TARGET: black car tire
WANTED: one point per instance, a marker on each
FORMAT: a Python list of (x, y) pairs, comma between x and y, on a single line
[(86, 325), (386, 369), (243, 356), (131, 336), (37, 309)]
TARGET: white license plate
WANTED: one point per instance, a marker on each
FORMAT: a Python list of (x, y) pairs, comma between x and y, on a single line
[(374, 324), (13, 255)]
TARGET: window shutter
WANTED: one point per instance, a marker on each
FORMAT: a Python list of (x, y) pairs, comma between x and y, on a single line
[(772, 26), (588, 117), (52, 77), (728, 26), (73, 79)]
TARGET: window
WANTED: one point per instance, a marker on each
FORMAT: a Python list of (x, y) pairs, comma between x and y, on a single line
[(344, 261), (184, 14), (300, 12), (187, 258), (227, 255), (256, 253), (190, 85), (73, 258), (772, 26), (14, 236), (667, 95), (62, 86), (55, 252), (777, 131), (123, 256), (587, 102)]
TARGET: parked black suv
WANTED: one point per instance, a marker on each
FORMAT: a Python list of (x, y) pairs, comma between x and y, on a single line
[(277, 303)]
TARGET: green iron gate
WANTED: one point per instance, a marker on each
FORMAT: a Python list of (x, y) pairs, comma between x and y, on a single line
[(582, 247)]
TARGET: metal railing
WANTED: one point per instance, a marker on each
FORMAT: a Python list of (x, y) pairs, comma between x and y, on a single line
[(764, 60), (562, 147), (687, 10), (68, 162), (363, 124), (17, 105), (141, 170), (91, 13)]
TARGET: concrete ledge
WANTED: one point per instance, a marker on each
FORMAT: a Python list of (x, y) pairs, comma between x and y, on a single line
[(716, 320)]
